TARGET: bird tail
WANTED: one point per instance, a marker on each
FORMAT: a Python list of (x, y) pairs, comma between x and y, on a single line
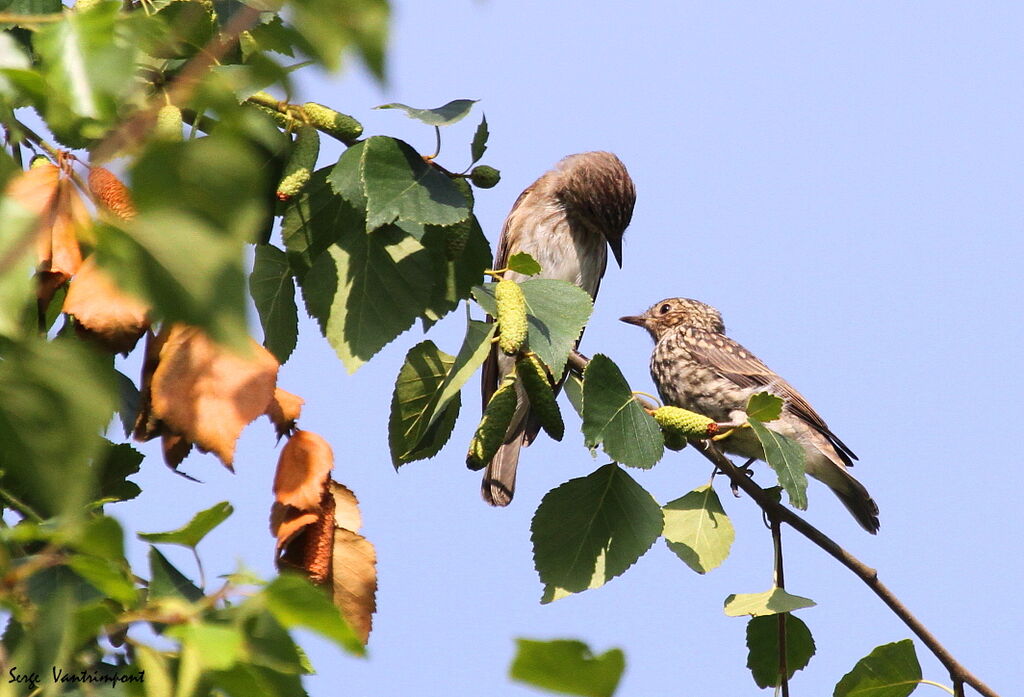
[(499, 485), (851, 492)]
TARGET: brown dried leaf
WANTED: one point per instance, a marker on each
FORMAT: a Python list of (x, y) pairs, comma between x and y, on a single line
[(287, 522), (103, 312), (354, 580), (302, 471), (346, 507), (65, 221), (284, 411), (208, 394), (148, 426), (176, 448)]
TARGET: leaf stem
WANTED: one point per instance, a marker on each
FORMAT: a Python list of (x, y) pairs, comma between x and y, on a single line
[(936, 684)]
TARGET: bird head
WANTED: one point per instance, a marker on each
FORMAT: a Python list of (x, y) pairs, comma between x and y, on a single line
[(598, 191), (677, 312)]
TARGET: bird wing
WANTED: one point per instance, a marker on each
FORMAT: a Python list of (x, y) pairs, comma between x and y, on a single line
[(731, 360)]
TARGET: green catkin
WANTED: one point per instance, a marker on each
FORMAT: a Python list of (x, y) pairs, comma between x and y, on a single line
[(511, 316), (300, 165), (493, 425), (333, 123), (683, 424), (168, 124), (534, 378)]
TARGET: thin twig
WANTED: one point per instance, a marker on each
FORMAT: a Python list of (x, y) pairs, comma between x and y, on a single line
[(777, 512)]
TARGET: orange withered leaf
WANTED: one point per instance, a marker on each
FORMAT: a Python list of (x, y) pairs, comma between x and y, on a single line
[(208, 394), (284, 411), (354, 580), (103, 313), (310, 548), (302, 471), (110, 193), (287, 522)]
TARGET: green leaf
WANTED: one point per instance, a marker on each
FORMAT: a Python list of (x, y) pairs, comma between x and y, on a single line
[(557, 312), (771, 602), (88, 62), (113, 468), (296, 603), (165, 581), (345, 178), (315, 219), (129, 399), (219, 646), (456, 277), (786, 457), (366, 290), (190, 534), (764, 407), (270, 645), (479, 144), (890, 670), (763, 648), (612, 417), (474, 351), (158, 680), (273, 292), (57, 398), (188, 27), (573, 387), (523, 263), (205, 287), (591, 529), (219, 180), (246, 680), (698, 530), (415, 401), (567, 666), (446, 115), (111, 578), (400, 185), (330, 27)]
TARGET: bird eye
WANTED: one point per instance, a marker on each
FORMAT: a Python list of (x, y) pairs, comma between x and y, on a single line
[(664, 308)]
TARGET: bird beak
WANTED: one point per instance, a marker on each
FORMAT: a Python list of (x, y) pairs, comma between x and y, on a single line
[(616, 246), (639, 321)]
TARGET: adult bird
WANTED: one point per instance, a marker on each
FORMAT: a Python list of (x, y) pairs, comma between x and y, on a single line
[(566, 220), (697, 367)]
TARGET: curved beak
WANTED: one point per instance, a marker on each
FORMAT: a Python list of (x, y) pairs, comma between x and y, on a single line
[(616, 245), (638, 320)]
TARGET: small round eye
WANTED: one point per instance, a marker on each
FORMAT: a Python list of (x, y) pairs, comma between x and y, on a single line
[(664, 308)]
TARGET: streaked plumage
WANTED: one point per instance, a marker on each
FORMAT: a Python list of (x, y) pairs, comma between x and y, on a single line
[(566, 220), (697, 367)]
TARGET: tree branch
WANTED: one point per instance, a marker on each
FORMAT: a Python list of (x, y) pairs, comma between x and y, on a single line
[(778, 512)]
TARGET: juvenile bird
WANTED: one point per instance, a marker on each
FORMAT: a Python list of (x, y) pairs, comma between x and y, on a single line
[(697, 367), (566, 220)]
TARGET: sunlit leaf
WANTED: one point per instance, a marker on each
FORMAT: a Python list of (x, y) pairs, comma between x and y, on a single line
[(612, 417), (698, 530), (786, 457), (890, 670), (770, 602), (591, 529), (568, 667), (192, 533), (556, 314)]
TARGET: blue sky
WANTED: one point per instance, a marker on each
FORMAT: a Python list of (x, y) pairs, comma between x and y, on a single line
[(844, 182)]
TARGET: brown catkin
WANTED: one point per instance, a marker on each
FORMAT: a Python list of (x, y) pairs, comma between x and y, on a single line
[(110, 193)]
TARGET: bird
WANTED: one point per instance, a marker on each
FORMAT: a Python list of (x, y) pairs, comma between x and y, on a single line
[(567, 221), (697, 367)]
